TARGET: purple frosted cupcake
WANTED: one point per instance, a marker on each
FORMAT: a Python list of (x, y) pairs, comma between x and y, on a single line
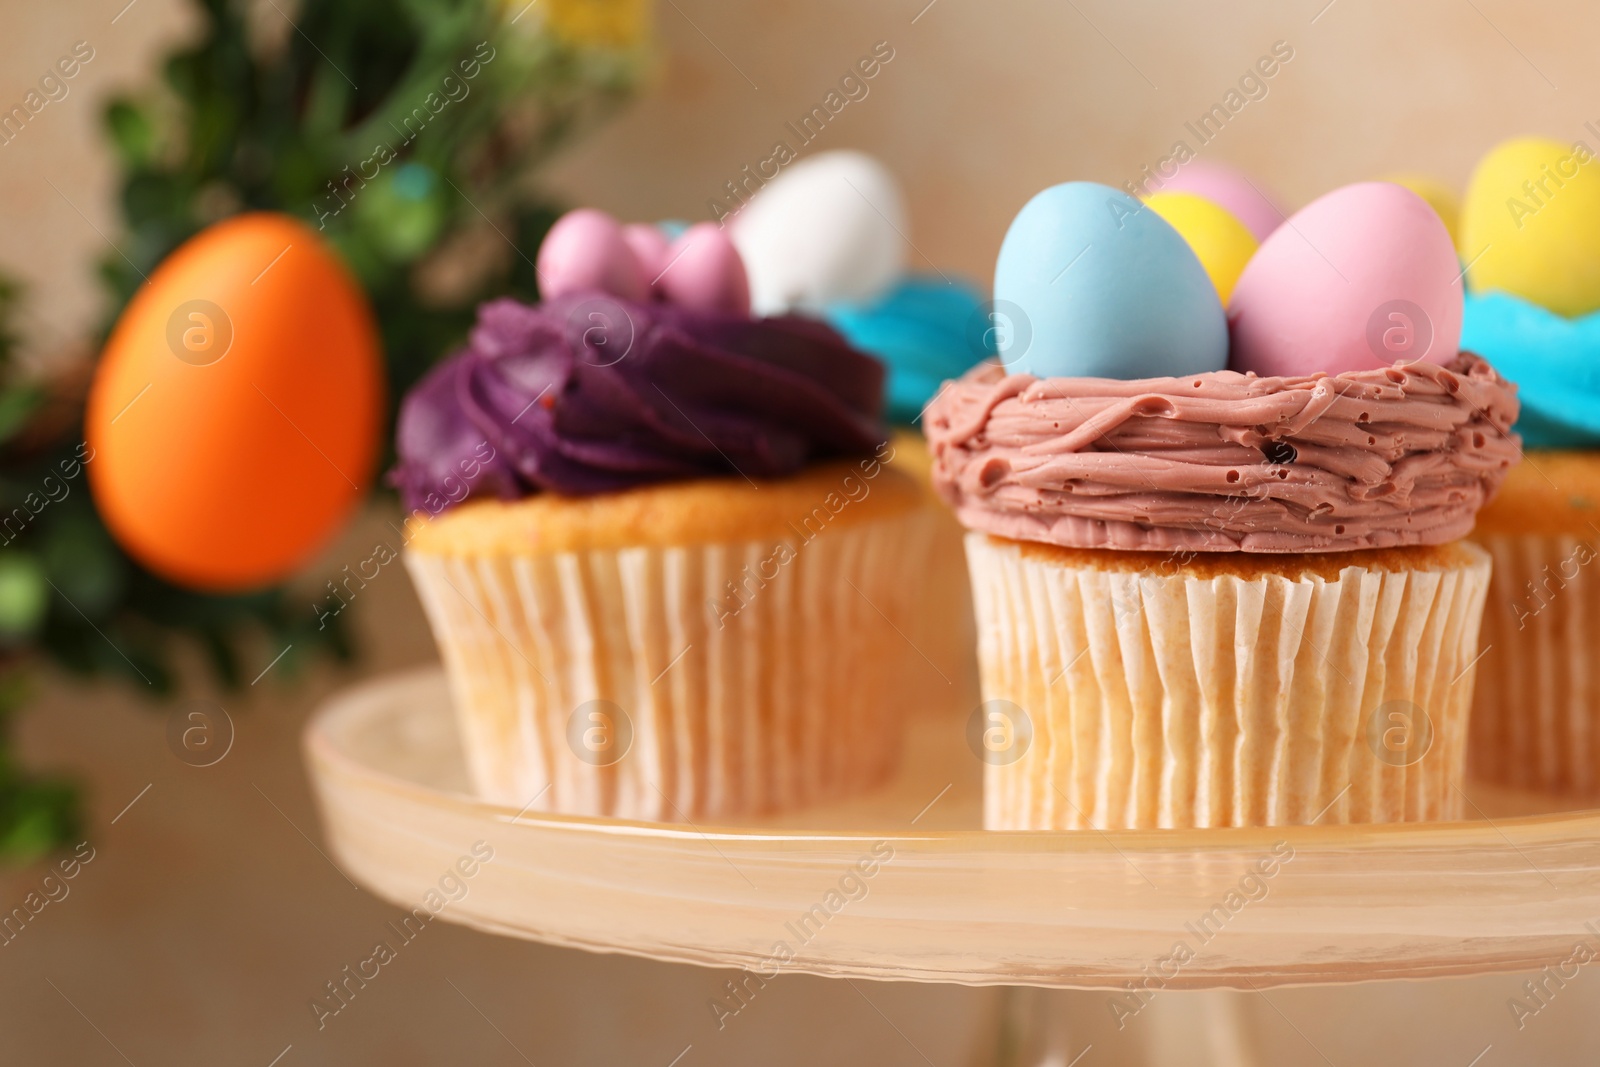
[(666, 563)]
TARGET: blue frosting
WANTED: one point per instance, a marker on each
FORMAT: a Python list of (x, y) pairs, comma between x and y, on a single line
[(1554, 360), (925, 330)]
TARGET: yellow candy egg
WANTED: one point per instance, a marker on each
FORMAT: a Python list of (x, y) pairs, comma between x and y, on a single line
[(1222, 243), (1530, 224), (1439, 196)]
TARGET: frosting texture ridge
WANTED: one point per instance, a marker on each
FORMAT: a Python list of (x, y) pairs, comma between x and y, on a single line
[(587, 393), (1226, 462)]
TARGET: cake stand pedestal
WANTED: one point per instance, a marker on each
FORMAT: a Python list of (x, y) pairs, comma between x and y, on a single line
[(902, 885)]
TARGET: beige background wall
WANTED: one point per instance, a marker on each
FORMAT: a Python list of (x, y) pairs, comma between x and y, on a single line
[(983, 104), (208, 920)]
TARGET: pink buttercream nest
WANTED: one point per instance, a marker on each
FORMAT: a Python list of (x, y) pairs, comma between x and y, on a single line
[(1226, 462)]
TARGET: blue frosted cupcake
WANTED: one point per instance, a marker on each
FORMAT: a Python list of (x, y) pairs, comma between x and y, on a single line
[(1536, 714)]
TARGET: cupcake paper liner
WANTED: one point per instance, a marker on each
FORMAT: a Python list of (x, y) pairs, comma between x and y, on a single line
[(1123, 699), (682, 683), (1536, 716)]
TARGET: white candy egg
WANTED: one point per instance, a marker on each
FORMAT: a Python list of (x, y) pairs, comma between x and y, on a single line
[(829, 228)]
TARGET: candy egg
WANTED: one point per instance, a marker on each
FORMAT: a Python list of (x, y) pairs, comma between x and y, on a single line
[(1098, 285), (649, 246), (703, 272), (586, 249), (1223, 243), (1363, 277), (1223, 185), (827, 229), (234, 414), (1439, 196), (1530, 225)]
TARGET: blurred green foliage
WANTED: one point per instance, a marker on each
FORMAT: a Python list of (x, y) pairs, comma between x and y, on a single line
[(405, 130), (462, 102)]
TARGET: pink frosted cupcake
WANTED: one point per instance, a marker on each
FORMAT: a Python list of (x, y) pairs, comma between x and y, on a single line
[(1222, 597), (1188, 655)]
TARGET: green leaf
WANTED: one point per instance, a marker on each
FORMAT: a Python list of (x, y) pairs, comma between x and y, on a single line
[(24, 594), (403, 211), (17, 405), (132, 133), (36, 815), (87, 568)]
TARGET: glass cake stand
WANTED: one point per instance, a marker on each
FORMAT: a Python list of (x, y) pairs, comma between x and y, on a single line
[(1508, 890)]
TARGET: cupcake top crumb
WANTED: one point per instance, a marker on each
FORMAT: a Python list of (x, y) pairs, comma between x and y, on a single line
[(1226, 462), (1204, 566), (824, 497), (1549, 493)]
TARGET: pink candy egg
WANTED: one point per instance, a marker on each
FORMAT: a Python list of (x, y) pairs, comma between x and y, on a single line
[(1228, 188), (1362, 278), (650, 247), (704, 272), (585, 250)]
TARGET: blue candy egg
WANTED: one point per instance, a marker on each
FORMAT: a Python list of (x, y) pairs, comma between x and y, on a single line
[(1094, 284)]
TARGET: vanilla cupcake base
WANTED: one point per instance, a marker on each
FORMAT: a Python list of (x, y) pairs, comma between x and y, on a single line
[(681, 682), (1536, 721), (1536, 716), (1133, 690)]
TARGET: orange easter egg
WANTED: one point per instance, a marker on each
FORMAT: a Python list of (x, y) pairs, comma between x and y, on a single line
[(234, 416)]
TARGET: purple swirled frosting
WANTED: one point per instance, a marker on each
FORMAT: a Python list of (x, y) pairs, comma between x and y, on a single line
[(586, 393)]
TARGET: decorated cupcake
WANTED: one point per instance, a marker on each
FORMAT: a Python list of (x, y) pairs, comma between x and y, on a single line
[(1529, 234), (1216, 556), (670, 571)]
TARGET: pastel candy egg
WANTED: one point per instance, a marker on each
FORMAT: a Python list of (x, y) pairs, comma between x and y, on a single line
[(828, 229), (1231, 189), (703, 272), (1439, 196), (1223, 244), (1097, 285), (649, 245), (1362, 278), (1530, 225), (586, 250)]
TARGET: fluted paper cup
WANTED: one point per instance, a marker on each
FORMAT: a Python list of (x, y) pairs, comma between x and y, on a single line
[(681, 683), (1131, 690), (1536, 716)]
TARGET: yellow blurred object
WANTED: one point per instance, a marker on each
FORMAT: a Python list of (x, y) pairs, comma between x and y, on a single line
[(592, 23), (1439, 196), (1222, 243), (1530, 224)]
